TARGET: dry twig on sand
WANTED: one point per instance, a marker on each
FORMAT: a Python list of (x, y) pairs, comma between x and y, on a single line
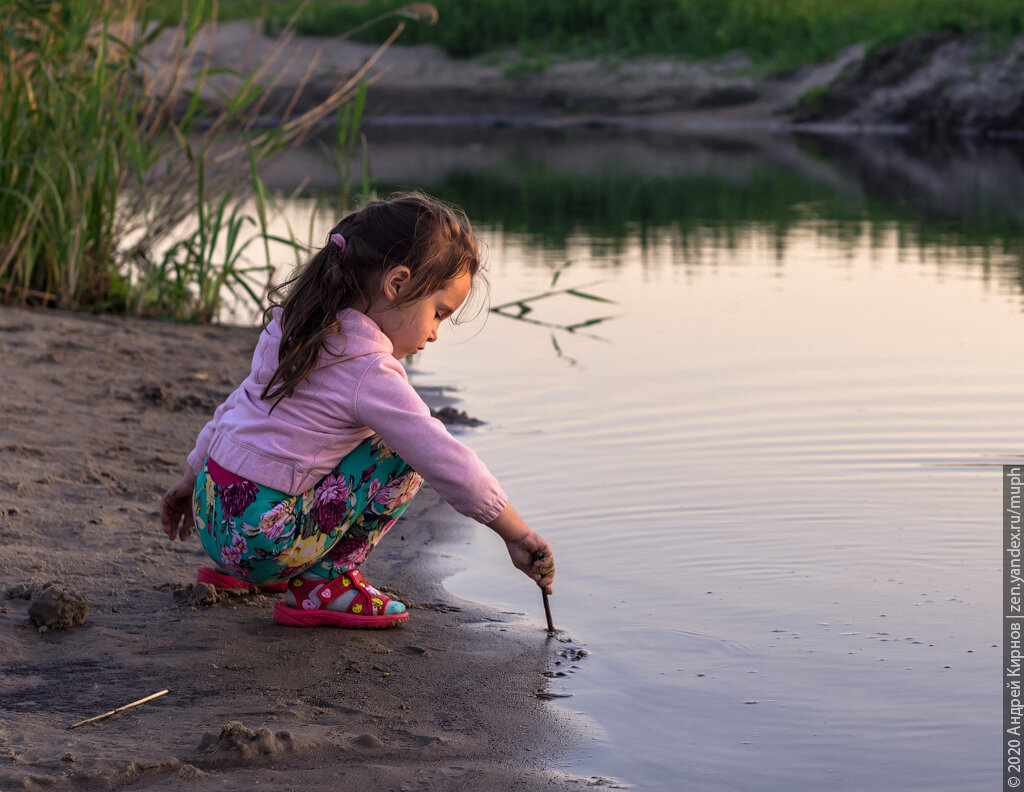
[(119, 709)]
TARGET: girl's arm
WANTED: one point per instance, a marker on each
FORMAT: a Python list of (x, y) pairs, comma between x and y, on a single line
[(387, 403), (527, 548)]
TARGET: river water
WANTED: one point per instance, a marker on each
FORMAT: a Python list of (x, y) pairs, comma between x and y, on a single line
[(768, 457)]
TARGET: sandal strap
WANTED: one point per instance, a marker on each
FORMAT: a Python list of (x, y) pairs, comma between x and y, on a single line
[(316, 594)]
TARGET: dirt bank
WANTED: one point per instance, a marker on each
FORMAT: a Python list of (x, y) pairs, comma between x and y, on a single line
[(934, 85), (98, 414), (931, 84)]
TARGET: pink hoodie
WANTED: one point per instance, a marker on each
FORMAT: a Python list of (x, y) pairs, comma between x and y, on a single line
[(358, 388)]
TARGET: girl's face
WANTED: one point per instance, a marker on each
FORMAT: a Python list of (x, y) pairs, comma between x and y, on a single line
[(411, 325)]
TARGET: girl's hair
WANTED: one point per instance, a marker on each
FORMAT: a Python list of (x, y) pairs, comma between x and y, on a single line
[(433, 239)]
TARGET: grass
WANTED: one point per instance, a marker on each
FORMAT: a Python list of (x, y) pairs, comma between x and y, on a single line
[(63, 98), (782, 33), (126, 188), (812, 102)]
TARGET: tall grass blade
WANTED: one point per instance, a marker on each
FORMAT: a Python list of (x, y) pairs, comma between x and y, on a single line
[(126, 182)]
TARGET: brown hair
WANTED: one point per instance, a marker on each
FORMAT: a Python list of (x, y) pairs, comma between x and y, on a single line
[(433, 239)]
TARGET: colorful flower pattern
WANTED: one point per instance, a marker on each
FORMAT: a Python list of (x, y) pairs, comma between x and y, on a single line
[(396, 493), (350, 552), (331, 501), (303, 552), (231, 554), (279, 521), (235, 498), (261, 534)]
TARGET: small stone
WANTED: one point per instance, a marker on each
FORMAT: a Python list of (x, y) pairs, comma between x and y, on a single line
[(449, 415), (197, 594), (20, 591), (57, 608), (368, 741)]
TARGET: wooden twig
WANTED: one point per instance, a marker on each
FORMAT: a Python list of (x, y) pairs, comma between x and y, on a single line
[(119, 709), (547, 612)]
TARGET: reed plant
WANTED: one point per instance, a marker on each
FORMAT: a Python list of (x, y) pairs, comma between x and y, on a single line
[(65, 95), (130, 181)]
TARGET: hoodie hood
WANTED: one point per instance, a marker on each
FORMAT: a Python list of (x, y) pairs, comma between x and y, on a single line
[(359, 336)]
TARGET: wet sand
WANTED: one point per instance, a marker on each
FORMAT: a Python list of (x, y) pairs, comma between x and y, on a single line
[(98, 414)]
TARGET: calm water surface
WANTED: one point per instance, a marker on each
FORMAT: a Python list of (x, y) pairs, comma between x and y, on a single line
[(771, 477), (773, 487)]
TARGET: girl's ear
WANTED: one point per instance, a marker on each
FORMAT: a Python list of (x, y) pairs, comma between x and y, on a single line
[(395, 279)]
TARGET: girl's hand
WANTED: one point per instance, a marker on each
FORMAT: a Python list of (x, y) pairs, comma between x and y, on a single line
[(531, 554), (176, 508), (527, 548)]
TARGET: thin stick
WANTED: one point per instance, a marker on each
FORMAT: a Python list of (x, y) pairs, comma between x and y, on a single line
[(119, 709), (547, 611)]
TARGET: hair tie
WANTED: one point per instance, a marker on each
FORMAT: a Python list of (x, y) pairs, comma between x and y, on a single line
[(338, 240)]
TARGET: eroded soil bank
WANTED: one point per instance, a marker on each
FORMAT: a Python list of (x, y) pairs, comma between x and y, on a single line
[(933, 84)]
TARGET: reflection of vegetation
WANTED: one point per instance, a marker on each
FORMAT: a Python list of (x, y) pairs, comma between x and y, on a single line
[(780, 32), (518, 310), (550, 207), (529, 198), (523, 307)]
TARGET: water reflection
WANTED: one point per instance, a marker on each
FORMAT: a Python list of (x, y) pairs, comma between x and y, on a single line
[(769, 500), (562, 188), (769, 478)]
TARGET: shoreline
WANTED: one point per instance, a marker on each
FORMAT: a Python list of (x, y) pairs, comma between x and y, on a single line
[(930, 85), (101, 411)]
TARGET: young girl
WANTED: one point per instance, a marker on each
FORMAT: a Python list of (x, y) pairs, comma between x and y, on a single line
[(313, 458)]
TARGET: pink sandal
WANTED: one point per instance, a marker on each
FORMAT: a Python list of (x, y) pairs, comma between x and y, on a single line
[(225, 581), (365, 611)]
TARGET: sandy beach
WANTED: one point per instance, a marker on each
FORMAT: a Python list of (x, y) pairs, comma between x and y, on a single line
[(98, 414)]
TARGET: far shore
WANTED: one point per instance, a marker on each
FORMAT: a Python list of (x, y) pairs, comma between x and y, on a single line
[(931, 85)]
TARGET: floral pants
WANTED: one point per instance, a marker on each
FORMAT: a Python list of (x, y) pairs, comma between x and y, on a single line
[(263, 535)]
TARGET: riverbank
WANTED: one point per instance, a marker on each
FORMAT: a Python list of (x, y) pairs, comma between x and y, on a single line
[(932, 84), (99, 413)]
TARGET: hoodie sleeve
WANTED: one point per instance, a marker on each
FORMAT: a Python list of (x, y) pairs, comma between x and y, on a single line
[(388, 404)]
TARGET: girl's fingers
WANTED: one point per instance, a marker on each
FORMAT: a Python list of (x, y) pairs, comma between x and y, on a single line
[(185, 526), (544, 575)]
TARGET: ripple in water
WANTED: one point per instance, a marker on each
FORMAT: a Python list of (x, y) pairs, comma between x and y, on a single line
[(771, 500)]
